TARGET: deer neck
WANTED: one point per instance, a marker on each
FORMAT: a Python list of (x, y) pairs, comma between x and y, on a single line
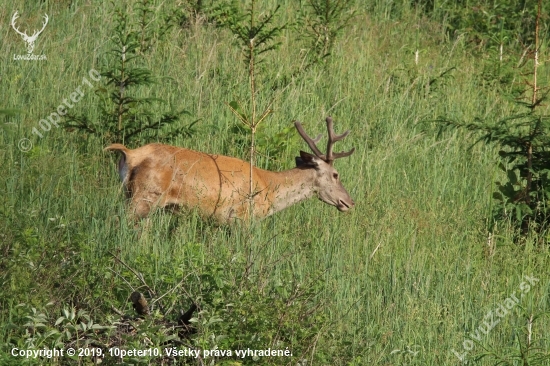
[(289, 187)]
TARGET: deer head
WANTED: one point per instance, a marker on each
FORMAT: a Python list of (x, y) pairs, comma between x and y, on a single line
[(29, 39), (327, 185)]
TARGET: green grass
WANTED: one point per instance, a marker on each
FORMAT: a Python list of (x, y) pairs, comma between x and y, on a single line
[(409, 268)]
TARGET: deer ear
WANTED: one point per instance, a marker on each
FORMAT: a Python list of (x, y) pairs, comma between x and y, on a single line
[(307, 159)]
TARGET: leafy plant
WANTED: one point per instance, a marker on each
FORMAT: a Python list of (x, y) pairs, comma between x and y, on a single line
[(149, 30), (124, 116), (319, 24), (322, 22), (526, 348), (256, 34), (189, 12), (524, 139), (497, 24), (240, 310), (73, 328)]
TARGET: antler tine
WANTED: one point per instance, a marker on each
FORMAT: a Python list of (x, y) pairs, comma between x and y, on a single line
[(37, 32), (332, 138), (318, 138), (13, 19), (45, 22), (312, 143), (15, 16), (342, 154)]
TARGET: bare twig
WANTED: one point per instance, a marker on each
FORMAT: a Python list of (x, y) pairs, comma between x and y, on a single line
[(139, 276), (123, 279), (375, 249), (169, 291)]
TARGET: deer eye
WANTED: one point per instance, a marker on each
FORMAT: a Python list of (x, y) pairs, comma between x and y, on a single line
[(335, 175)]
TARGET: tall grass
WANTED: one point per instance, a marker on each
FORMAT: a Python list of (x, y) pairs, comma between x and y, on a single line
[(409, 268)]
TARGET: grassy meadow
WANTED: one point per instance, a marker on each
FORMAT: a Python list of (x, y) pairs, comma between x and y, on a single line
[(407, 277)]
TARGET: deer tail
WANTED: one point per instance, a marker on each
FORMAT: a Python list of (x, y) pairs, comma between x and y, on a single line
[(123, 162)]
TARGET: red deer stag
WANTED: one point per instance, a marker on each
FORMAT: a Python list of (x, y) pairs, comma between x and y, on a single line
[(157, 175)]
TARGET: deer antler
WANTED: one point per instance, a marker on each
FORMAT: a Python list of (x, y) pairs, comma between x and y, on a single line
[(332, 138), (13, 19), (43, 26), (311, 142), (329, 157)]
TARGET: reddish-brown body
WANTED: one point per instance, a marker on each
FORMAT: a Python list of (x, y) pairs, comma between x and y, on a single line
[(218, 186)]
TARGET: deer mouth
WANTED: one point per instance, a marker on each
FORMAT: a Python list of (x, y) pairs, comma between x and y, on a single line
[(344, 206)]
